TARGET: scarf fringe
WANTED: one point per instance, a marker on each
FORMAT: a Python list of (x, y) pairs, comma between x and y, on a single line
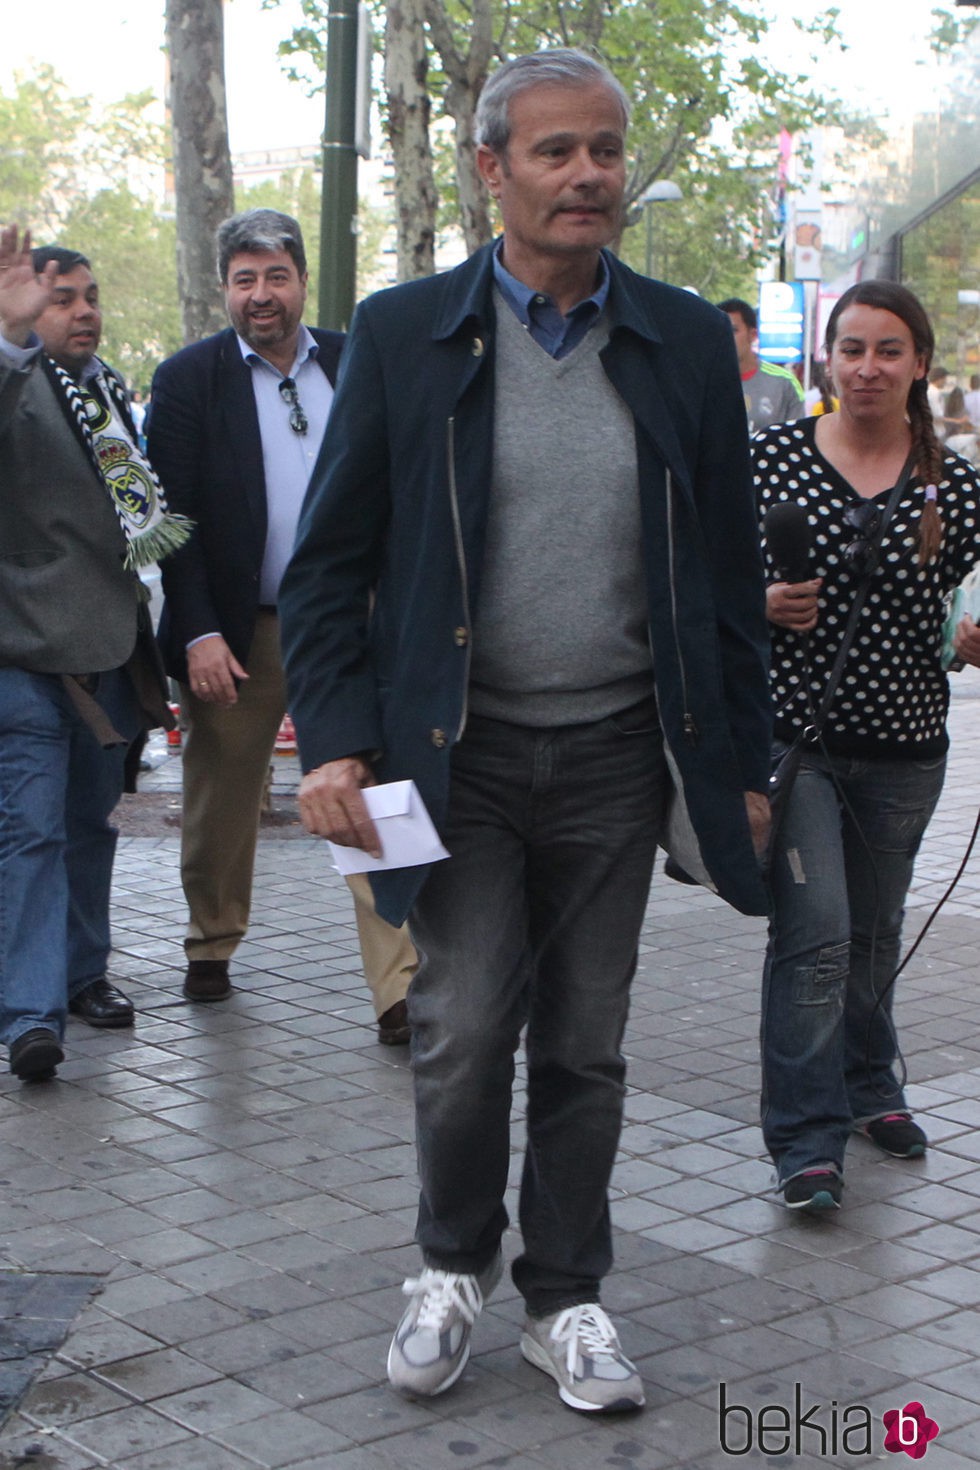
[(159, 541)]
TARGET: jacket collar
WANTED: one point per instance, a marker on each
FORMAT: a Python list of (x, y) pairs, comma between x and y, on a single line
[(628, 308), (469, 288), (468, 295)]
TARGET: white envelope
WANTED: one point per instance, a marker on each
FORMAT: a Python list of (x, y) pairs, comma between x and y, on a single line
[(404, 827)]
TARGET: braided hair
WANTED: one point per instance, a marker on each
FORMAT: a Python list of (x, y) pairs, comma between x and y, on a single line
[(900, 301)]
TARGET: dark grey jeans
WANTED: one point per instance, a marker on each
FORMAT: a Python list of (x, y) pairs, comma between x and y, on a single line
[(839, 883), (534, 920)]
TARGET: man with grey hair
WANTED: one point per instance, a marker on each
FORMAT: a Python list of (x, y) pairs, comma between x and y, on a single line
[(236, 425), (528, 561)]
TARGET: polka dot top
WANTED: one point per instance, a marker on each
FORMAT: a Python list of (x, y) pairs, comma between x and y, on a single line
[(893, 695)]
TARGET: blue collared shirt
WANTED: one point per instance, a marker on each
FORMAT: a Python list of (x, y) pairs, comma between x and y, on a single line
[(558, 335), (287, 457)]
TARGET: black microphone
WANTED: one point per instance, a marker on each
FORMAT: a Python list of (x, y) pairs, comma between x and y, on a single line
[(787, 529)]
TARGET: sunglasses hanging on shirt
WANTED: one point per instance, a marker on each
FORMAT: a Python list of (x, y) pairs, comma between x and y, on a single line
[(861, 554), (298, 421)]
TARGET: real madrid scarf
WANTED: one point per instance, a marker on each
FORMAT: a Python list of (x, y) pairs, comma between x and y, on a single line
[(99, 415)]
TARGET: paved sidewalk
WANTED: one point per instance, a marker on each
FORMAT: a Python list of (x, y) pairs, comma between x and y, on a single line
[(204, 1225)]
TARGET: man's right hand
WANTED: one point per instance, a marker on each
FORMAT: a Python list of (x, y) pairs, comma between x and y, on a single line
[(331, 804), (24, 294), (212, 669)]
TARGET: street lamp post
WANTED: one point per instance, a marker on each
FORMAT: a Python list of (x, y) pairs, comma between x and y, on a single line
[(338, 207), (661, 191)]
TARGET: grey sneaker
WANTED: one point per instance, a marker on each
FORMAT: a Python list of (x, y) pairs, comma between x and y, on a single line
[(431, 1345), (579, 1347)]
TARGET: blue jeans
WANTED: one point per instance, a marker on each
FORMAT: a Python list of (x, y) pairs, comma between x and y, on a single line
[(57, 790), (534, 919), (839, 883)]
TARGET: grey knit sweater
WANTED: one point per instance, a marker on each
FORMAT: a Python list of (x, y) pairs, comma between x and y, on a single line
[(561, 629)]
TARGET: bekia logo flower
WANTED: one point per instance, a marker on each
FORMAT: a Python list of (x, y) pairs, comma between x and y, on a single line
[(909, 1429)]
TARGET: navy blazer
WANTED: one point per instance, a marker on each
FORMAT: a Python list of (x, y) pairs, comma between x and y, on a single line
[(398, 504), (203, 439)]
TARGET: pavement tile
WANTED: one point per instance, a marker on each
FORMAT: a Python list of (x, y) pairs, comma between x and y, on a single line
[(206, 1273), (306, 1379), (282, 1439), (437, 1446), (954, 1284), (153, 1375), (105, 1341), (759, 1348), (915, 1357), (612, 1443), (376, 1411), (193, 1453), (361, 1457), (115, 1437), (330, 1322), (240, 1180), (72, 1396), (962, 1440), (830, 1326), (22, 1447), (239, 1348), (243, 1228), (268, 1294), (137, 1293), (183, 1320), (900, 1306), (215, 1405)]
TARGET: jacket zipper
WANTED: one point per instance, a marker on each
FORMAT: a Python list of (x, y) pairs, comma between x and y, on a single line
[(689, 725), (460, 557)]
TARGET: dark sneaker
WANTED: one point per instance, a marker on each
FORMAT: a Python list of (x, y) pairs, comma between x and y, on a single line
[(35, 1055), (580, 1349), (815, 1190), (897, 1135), (431, 1345)]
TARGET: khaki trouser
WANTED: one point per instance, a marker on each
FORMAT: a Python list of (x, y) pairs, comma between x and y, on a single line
[(225, 763)]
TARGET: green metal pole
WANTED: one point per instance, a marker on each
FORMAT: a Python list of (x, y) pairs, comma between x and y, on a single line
[(338, 201)]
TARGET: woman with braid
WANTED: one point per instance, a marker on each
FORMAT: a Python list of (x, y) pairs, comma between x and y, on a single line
[(865, 790)]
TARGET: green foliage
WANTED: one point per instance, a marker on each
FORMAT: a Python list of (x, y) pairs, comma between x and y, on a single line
[(298, 193), (133, 251), (80, 177), (56, 148), (707, 110), (304, 50), (713, 240), (939, 258), (41, 130)]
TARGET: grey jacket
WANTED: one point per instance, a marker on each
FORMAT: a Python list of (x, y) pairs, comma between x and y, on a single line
[(67, 603)]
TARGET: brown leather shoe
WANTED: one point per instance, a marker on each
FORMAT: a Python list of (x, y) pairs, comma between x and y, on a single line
[(207, 980), (393, 1027)]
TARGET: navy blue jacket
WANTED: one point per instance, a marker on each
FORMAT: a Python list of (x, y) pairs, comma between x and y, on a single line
[(203, 439), (398, 503)]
